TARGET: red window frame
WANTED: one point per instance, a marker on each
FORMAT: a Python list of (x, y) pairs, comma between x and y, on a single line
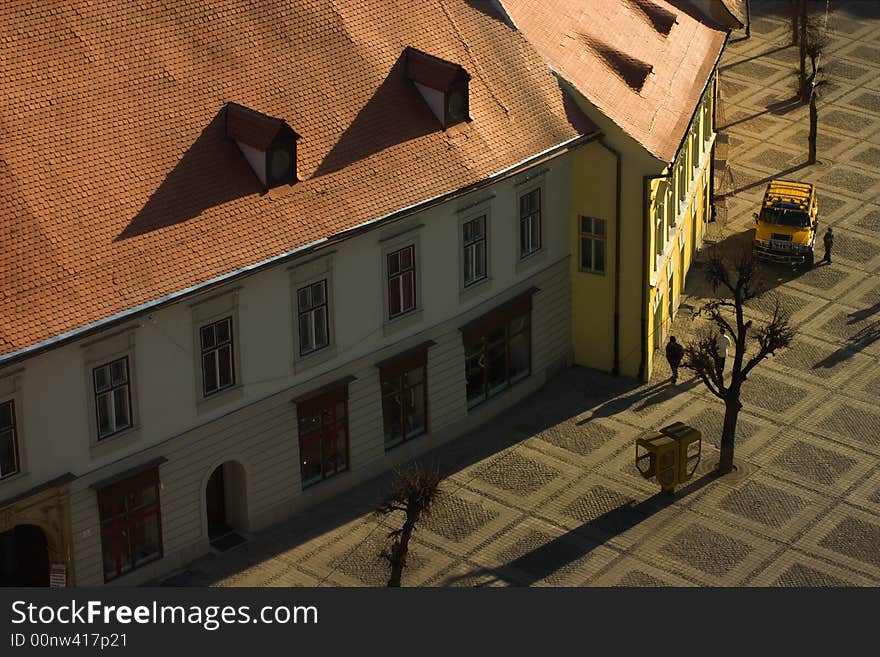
[(401, 269), (325, 406), (123, 520)]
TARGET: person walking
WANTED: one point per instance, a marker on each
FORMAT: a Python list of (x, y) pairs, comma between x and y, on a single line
[(828, 240), (674, 354), (723, 343)]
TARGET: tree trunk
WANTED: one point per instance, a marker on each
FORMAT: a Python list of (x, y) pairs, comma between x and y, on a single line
[(793, 7), (802, 76), (748, 19), (814, 128), (399, 551), (728, 433)]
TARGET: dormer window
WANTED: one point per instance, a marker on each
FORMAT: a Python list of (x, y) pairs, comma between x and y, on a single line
[(442, 84), (268, 144)]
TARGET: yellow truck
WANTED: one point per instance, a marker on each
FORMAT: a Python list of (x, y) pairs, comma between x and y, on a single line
[(786, 228)]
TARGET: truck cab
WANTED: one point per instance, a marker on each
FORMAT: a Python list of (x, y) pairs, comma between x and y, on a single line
[(786, 227)]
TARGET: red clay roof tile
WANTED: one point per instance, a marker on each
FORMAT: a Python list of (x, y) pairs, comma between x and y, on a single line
[(618, 56), (117, 183)]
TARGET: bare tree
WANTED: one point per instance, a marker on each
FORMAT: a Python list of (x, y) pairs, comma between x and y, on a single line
[(414, 490), (738, 283), (794, 10)]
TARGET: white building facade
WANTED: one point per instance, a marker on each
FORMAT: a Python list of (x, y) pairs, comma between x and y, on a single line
[(235, 407)]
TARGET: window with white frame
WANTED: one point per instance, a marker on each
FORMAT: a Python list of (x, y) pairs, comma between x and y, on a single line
[(401, 268), (112, 397), (9, 460), (592, 244), (311, 303), (474, 240), (218, 369), (530, 222)]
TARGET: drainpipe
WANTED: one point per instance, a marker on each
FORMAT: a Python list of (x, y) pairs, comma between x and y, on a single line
[(646, 241), (615, 368)]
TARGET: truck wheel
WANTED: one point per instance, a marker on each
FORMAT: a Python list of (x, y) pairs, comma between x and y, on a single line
[(809, 260)]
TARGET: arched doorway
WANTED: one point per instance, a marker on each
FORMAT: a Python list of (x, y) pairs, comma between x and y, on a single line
[(24, 557), (226, 505)]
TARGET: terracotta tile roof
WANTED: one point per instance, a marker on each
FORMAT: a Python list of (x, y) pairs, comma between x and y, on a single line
[(119, 187), (642, 63)]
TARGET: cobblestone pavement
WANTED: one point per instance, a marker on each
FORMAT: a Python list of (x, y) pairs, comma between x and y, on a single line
[(549, 495)]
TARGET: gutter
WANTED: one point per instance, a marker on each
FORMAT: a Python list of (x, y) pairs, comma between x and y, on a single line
[(615, 368), (150, 306)]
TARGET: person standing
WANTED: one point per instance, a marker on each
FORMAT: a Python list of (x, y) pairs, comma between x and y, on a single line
[(723, 343), (828, 240), (674, 354)]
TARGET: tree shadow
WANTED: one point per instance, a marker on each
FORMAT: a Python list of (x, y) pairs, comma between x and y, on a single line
[(863, 314), (781, 107), (569, 394), (396, 113), (211, 172), (577, 543), (772, 51), (766, 179), (862, 339), (488, 8)]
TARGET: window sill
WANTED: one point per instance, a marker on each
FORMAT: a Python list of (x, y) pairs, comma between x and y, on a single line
[(314, 358), (13, 477), (116, 442), (317, 482), (402, 322), (405, 441), (219, 399), (594, 272), (474, 290), (471, 408), (527, 262)]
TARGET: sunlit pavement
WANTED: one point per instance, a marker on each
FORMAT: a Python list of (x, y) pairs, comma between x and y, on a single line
[(550, 496)]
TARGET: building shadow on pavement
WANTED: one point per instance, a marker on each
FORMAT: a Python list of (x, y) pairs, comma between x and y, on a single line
[(554, 556), (572, 393)]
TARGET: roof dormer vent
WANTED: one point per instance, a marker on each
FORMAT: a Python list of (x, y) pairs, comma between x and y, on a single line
[(443, 85), (268, 144)]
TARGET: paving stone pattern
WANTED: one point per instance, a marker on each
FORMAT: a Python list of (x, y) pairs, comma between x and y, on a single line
[(806, 437)]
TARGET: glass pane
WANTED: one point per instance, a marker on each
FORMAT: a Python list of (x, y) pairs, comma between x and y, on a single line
[(125, 549), (394, 300), (7, 454), (105, 414), (497, 366), (340, 411), (469, 274), (474, 373), (120, 408), (524, 237), (598, 226), (518, 324), (318, 293), (5, 415), (390, 385), (414, 376), (535, 243), (303, 298), (209, 372), (586, 225), (523, 205), (224, 356), (141, 497), (310, 461), (145, 539), (391, 417), (309, 424), (519, 356), (102, 378), (223, 330), (415, 411), (586, 253), (393, 263), (409, 298), (306, 339), (208, 337), (496, 335), (600, 255), (321, 337), (118, 372), (109, 547), (331, 464), (406, 258), (480, 260)]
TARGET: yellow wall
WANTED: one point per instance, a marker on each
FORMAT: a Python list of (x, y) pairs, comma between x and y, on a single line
[(593, 194)]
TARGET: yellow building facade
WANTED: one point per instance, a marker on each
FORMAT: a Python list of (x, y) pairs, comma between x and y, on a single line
[(652, 217)]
